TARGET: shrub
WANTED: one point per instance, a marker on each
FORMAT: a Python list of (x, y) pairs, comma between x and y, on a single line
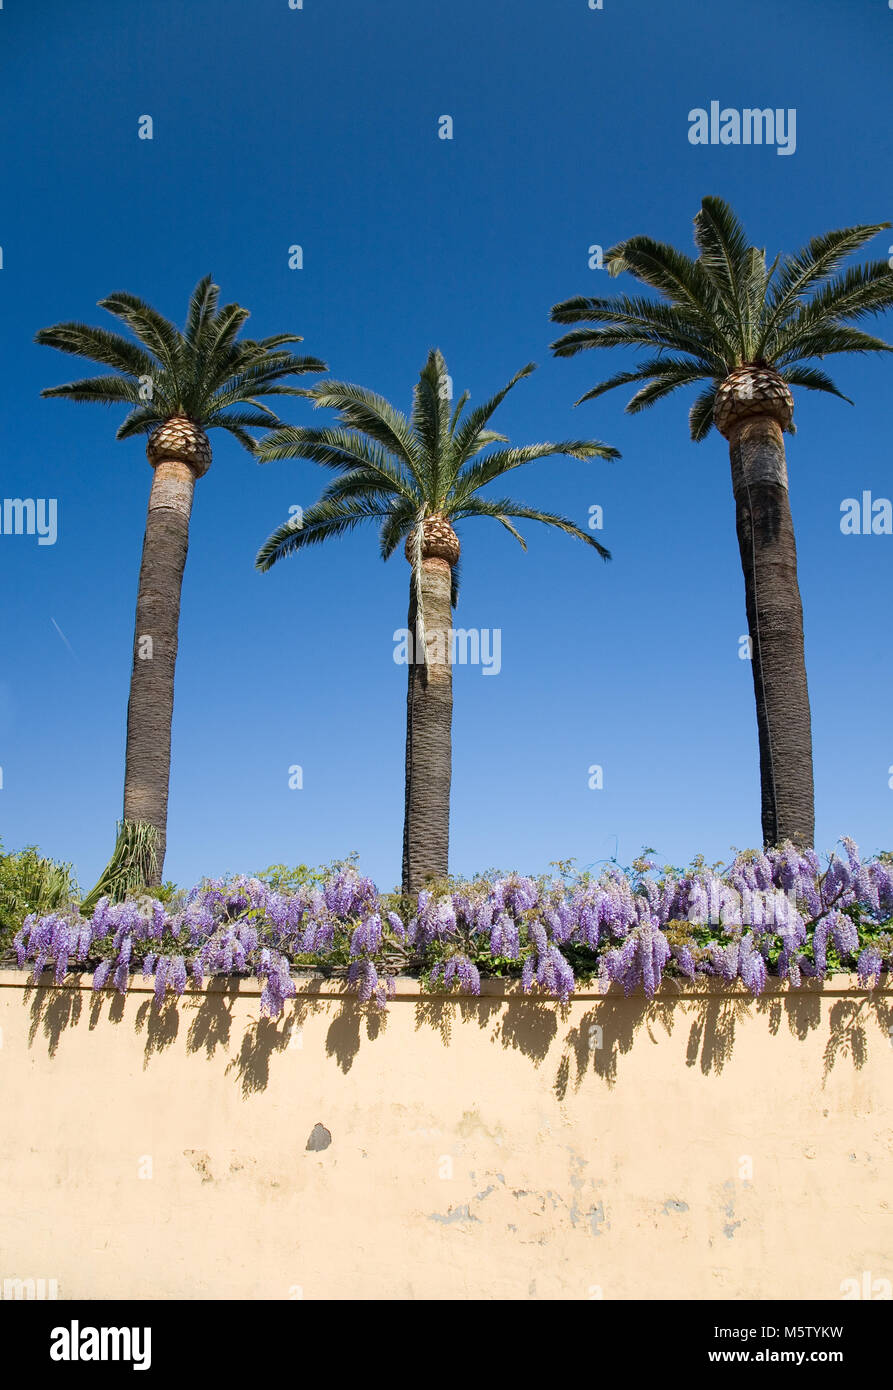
[(30, 883)]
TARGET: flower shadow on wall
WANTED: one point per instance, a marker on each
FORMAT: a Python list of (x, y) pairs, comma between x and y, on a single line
[(584, 1040)]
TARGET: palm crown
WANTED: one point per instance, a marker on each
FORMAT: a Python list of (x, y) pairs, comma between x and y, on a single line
[(401, 472), (205, 372), (725, 310)]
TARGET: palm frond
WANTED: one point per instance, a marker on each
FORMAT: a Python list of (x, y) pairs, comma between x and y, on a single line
[(862, 291), (725, 255), (678, 277), (824, 342), (108, 390), (459, 407), (142, 420), (257, 418), (504, 507), (247, 441), (667, 377), (155, 331), (483, 441), (700, 417), (362, 482), (811, 266), (337, 448), (370, 414), (612, 382), (477, 475), (512, 531), (813, 379), (455, 583), (263, 378), (396, 527), (219, 353), (202, 308), (319, 523), (467, 431), (630, 321), (98, 345), (430, 407)]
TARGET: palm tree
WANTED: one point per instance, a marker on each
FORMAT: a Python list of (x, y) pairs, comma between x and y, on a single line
[(748, 331), (416, 477), (179, 385)]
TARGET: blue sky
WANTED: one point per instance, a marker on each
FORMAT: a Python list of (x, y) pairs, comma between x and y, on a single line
[(318, 126)]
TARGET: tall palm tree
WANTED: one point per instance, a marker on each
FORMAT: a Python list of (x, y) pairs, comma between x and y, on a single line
[(416, 477), (179, 385), (748, 331)]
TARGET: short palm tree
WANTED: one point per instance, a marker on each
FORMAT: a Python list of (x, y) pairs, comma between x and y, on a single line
[(749, 332), (416, 477), (178, 386)]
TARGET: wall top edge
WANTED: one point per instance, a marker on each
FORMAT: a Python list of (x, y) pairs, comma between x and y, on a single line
[(408, 987)]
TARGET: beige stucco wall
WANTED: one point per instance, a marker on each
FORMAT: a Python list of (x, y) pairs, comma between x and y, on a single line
[(703, 1146)]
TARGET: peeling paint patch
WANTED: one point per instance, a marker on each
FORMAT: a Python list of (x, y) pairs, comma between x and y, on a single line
[(479, 1196), (454, 1215), (672, 1205), (320, 1138), (730, 1228), (596, 1217)]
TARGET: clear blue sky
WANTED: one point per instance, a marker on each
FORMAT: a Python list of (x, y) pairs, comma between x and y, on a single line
[(318, 126)]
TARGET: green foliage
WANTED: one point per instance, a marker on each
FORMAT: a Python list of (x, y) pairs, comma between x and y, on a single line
[(283, 879), (29, 882)]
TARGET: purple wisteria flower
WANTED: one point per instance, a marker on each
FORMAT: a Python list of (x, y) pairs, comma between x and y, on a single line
[(457, 969), (778, 905), (548, 967), (639, 961)]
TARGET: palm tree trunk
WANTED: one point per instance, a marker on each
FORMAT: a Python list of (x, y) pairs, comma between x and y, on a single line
[(429, 717), (775, 620), (151, 705)]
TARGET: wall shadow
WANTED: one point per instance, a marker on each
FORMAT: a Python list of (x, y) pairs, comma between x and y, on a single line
[(591, 1043)]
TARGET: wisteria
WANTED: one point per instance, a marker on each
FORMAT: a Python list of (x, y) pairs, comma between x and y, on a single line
[(774, 913)]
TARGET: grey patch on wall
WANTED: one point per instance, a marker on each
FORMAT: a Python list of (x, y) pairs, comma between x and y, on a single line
[(671, 1205), (320, 1138), (453, 1215)]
